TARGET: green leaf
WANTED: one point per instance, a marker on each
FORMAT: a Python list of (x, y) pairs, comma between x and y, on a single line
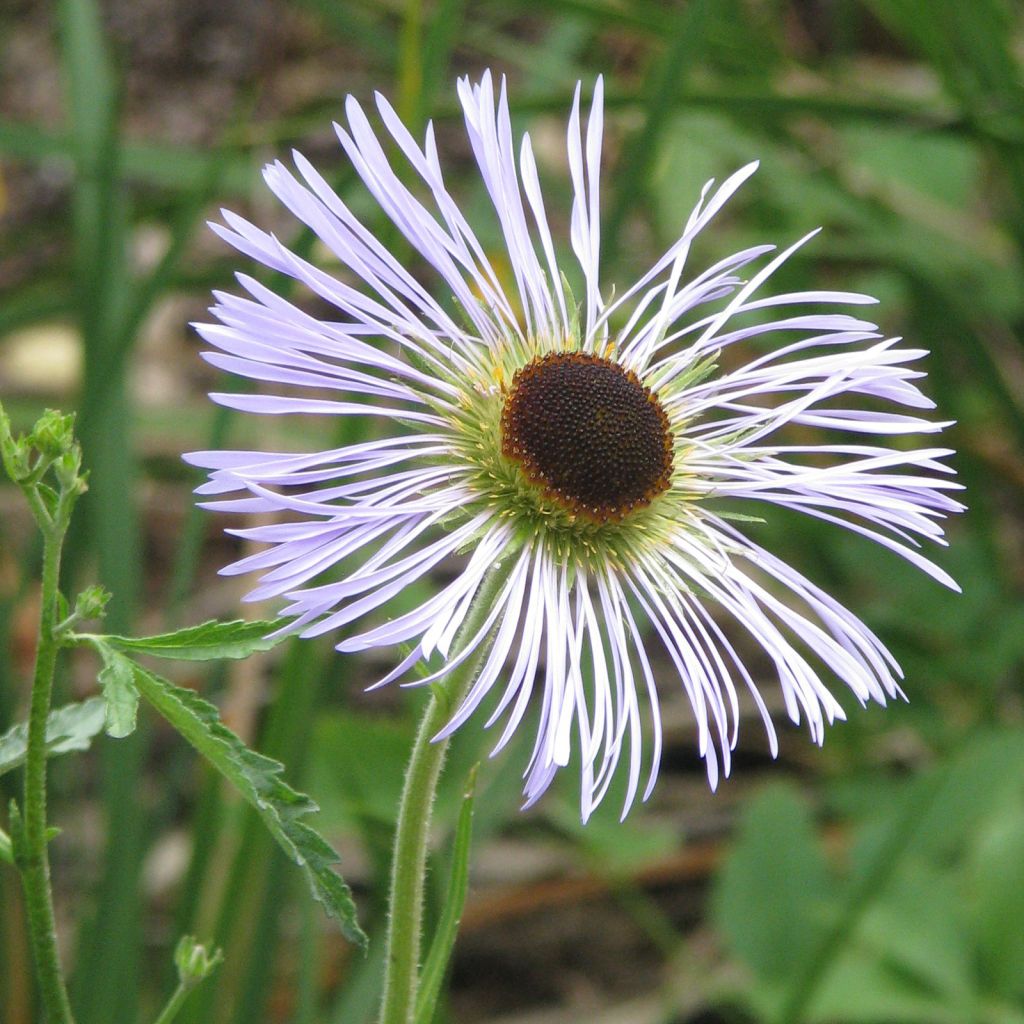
[(915, 927), (863, 989), (209, 641), (69, 728), (441, 948), (773, 886), (119, 693), (976, 782), (995, 898), (258, 779)]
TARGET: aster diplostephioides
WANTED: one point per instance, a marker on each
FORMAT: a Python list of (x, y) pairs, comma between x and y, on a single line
[(594, 450)]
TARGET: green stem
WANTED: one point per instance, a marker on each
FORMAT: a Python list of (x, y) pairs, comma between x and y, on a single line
[(175, 1003), (408, 866), (33, 860)]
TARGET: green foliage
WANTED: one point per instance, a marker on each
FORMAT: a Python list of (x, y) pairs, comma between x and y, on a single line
[(992, 890), (69, 728), (53, 434), (210, 641), (355, 747), (119, 692), (924, 927), (773, 890), (258, 779)]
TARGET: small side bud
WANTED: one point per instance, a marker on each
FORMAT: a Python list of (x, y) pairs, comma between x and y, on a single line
[(194, 961), (68, 470), (14, 451), (91, 603), (19, 851)]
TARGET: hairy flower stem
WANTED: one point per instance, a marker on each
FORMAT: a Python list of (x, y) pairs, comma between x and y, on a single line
[(33, 860), (409, 860)]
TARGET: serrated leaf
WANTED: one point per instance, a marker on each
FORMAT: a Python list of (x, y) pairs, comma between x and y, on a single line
[(69, 728), (259, 780), (209, 641), (119, 693)]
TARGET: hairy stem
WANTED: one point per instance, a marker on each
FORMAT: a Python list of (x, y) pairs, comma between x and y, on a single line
[(33, 860), (409, 859)]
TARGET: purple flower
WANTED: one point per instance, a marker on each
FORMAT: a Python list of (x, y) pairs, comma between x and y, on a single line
[(593, 449)]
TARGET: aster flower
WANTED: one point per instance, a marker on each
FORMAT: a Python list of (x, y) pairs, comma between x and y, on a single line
[(596, 451)]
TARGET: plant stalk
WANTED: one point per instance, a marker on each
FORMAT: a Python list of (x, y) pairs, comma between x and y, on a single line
[(174, 1004), (33, 859), (409, 860)]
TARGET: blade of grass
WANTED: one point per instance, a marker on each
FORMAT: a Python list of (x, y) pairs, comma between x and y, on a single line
[(148, 163), (310, 951), (663, 84), (187, 218), (410, 63), (261, 947), (436, 965), (442, 32), (107, 973)]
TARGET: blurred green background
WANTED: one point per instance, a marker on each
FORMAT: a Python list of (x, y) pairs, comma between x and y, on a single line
[(878, 880)]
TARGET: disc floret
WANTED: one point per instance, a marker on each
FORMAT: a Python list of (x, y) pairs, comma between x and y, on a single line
[(588, 434)]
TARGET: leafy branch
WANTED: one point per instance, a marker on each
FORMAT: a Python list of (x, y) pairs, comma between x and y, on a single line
[(258, 778)]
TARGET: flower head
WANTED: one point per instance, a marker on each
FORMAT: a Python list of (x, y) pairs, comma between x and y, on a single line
[(591, 450)]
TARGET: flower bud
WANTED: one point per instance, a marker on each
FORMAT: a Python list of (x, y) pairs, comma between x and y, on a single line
[(194, 961), (53, 434), (91, 603)]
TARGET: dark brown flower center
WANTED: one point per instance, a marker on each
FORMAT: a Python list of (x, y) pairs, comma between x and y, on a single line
[(588, 433)]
